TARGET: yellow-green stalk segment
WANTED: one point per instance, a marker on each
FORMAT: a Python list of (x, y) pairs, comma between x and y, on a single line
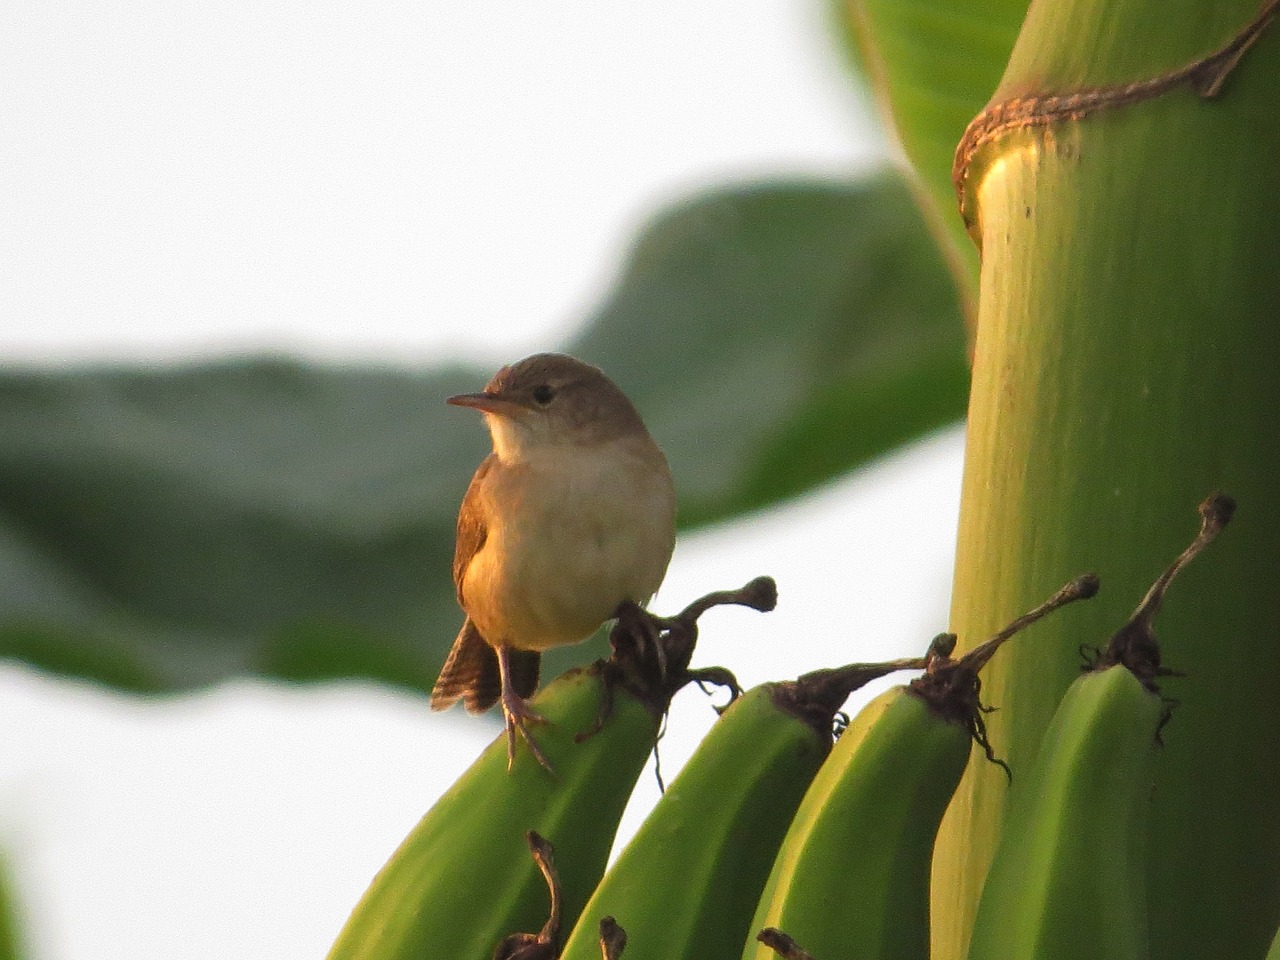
[(685, 887), (852, 876), (1125, 363), (462, 879), (1069, 876)]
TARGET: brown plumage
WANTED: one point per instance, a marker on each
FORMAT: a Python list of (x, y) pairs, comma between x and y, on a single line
[(571, 515), (471, 673)]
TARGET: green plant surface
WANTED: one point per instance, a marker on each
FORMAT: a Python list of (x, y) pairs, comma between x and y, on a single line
[(463, 877), (1124, 368), (851, 877), (931, 67), (12, 940), (1067, 880), (166, 528), (686, 884), (1274, 952)]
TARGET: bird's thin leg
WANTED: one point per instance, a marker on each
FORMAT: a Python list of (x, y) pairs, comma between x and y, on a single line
[(517, 713)]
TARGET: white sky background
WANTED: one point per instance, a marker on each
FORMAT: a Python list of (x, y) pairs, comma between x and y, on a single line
[(403, 183), (386, 179)]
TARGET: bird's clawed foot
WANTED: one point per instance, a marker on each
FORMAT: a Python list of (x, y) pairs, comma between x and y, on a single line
[(519, 718)]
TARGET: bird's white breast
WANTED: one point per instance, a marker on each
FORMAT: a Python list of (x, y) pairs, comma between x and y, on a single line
[(573, 531)]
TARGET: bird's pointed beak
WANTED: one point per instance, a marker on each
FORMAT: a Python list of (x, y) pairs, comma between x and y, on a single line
[(488, 402)]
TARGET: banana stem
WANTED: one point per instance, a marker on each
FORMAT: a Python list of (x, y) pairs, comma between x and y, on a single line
[(544, 857), (782, 945), (826, 690), (815, 697), (1081, 588), (543, 945), (1134, 645), (760, 594), (952, 687), (613, 939)]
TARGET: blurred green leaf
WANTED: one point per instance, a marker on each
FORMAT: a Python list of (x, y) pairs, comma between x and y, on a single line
[(932, 65), (165, 528), (776, 336)]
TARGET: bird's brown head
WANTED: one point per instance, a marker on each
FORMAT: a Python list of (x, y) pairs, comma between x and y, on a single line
[(551, 398)]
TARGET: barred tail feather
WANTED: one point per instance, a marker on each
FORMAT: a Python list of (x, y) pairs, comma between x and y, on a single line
[(471, 673)]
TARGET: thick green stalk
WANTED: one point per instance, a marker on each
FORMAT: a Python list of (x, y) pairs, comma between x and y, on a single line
[(1125, 366)]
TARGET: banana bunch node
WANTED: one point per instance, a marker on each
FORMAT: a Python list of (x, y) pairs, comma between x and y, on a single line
[(613, 939), (1134, 645), (651, 654), (953, 688)]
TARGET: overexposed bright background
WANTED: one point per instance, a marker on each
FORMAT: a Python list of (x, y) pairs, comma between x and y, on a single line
[(395, 183)]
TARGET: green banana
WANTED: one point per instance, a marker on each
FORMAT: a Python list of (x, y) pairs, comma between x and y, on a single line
[(851, 878), (1274, 952), (462, 879), (1068, 879), (686, 884)]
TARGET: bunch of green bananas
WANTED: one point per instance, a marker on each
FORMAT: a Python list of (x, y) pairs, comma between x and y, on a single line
[(463, 879), (1068, 880), (772, 842)]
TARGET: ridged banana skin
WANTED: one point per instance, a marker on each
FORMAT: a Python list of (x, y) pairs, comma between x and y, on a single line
[(463, 878), (686, 885), (1068, 879), (851, 879)]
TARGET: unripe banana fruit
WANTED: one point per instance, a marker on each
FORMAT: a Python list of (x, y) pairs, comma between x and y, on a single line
[(851, 879), (1068, 879), (463, 879), (686, 885)]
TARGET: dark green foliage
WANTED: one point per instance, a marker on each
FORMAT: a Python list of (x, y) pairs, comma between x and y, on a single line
[(166, 528)]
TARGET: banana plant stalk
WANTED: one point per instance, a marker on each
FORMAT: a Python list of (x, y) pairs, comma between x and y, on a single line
[(1121, 187)]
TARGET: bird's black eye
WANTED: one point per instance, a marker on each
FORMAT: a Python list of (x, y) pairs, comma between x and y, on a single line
[(542, 395)]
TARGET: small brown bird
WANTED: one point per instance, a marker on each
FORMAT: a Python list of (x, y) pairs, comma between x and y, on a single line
[(570, 517)]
